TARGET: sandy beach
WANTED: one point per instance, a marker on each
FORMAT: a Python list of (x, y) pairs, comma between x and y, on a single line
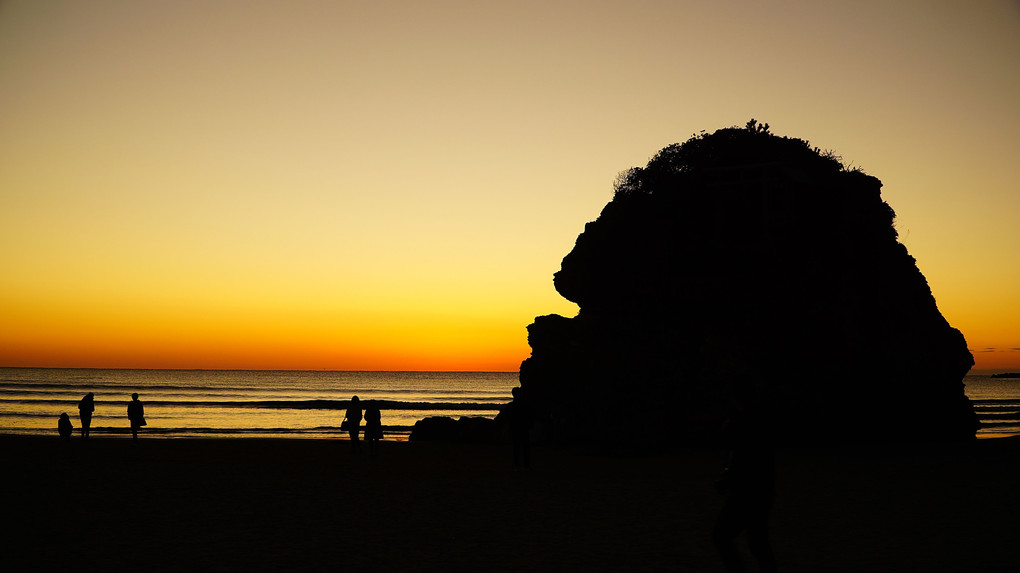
[(251, 504)]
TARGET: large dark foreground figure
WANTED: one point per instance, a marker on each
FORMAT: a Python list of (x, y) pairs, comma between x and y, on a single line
[(750, 489)]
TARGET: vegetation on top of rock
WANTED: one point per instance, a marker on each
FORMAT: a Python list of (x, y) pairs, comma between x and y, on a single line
[(730, 147)]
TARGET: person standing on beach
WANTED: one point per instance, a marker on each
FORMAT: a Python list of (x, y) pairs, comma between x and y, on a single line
[(64, 427), (86, 406), (136, 414), (353, 422), (749, 485), (373, 427)]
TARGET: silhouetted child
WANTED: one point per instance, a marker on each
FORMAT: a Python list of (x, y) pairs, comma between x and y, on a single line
[(749, 485), (521, 419), (373, 427), (64, 427), (86, 406), (136, 414), (352, 421)]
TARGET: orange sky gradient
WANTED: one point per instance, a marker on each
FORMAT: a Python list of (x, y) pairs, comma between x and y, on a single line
[(391, 185)]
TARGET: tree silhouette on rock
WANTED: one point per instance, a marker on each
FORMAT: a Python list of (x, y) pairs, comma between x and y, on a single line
[(740, 266)]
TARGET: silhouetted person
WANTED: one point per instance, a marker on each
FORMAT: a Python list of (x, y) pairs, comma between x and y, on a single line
[(86, 406), (373, 427), (749, 486), (64, 427), (136, 414), (353, 422), (521, 419)]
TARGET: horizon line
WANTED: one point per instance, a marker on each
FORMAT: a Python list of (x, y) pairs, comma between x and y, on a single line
[(971, 371), (246, 369)]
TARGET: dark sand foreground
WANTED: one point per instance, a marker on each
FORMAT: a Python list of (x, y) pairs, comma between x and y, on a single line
[(247, 504)]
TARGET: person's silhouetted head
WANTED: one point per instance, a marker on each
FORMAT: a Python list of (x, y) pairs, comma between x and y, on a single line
[(354, 400), (746, 424), (134, 396)]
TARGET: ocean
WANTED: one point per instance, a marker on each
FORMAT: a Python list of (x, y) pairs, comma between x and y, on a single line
[(243, 403), (309, 404), (997, 403)]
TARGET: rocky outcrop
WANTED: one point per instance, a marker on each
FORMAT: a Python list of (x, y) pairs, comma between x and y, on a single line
[(745, 268), (466, 429)]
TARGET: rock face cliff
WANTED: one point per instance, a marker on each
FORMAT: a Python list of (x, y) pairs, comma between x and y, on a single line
[(745, 269)]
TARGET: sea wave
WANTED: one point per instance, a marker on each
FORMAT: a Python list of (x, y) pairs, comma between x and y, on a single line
[(1000, 425), (170, 431), (21, 386), (284, 404)]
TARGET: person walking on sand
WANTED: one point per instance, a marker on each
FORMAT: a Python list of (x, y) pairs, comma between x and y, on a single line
[(86, 406), (136, 414), (373, 427), (64, 427), (352, 422)]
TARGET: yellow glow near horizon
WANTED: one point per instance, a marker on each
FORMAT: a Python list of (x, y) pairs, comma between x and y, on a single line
[(343, 185)]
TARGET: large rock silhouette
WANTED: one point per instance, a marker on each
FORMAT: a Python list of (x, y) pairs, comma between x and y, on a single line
[(742, 268)]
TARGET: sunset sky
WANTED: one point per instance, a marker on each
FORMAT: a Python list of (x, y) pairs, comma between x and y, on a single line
[(391, 185)]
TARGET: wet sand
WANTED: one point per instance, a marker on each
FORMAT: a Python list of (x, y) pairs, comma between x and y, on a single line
[(253, 504)]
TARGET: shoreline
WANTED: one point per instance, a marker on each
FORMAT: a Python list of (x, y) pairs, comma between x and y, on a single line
[(391, 434), (265, 503)]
